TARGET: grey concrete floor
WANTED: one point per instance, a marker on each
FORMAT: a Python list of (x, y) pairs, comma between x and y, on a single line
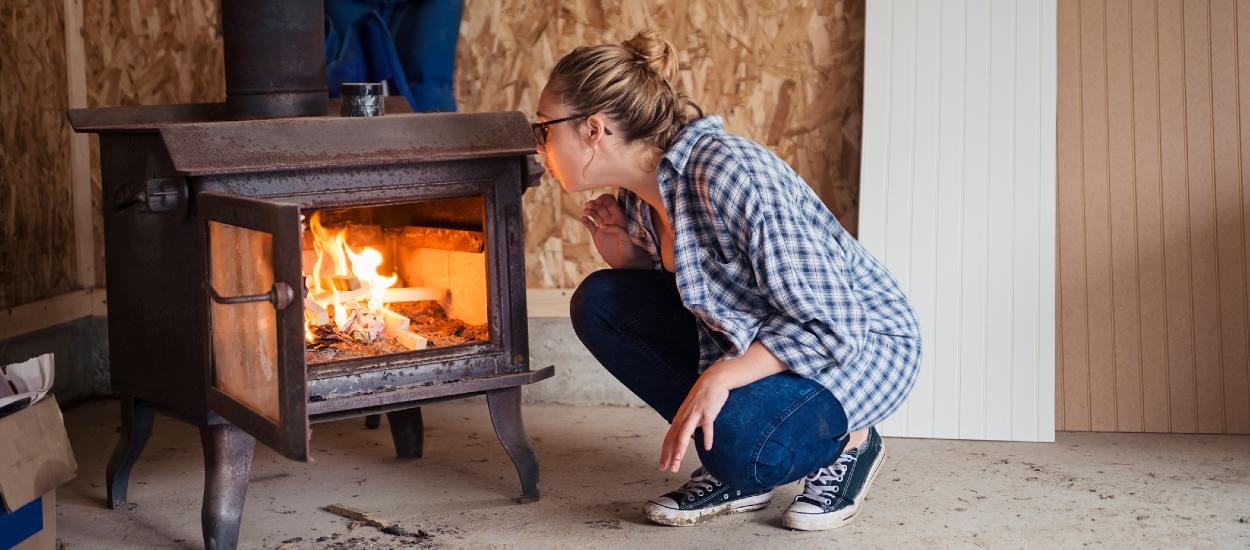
[(1108, 490)]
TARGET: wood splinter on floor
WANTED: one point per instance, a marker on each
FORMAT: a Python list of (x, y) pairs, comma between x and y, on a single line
[(364, 518)]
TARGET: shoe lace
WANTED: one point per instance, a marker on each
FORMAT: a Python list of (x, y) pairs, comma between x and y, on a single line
[(823, 484), (701, 482)]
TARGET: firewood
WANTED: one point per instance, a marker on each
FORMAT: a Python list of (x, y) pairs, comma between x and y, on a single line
[(341, 282), (346, 297), (411, 340), (315, 313), (395, 323), (414, 294), (387, 526), (441, 239), (409, 294)]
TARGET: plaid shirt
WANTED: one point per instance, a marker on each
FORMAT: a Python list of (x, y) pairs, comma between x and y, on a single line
[(759, 257)]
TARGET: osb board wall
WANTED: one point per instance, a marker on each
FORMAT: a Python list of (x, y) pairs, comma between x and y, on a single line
[(1154, 216), (786, 73), (36, 221), (149, 52), (138, 52)]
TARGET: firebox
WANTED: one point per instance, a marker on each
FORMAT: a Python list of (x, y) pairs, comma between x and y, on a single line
[(266, 275)]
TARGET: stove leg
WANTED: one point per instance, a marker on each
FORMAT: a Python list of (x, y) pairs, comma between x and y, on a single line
[(373, 421), (137, 420), (408, 431), (505, 414), (227, 467)]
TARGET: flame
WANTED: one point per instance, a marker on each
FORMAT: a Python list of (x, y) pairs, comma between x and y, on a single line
[(332, 247)]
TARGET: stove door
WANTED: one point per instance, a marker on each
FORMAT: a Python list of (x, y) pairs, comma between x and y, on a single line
[(256, 319)]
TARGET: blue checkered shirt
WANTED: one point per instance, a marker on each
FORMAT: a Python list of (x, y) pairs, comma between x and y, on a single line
[(759, 257)]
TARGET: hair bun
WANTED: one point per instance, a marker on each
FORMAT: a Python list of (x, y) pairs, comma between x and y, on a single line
[(658, 54)]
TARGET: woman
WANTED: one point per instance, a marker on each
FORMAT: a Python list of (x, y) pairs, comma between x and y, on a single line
[(737, 307)]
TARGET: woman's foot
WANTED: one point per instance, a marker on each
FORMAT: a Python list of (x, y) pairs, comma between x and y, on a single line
[(833, 494), (703, 497)]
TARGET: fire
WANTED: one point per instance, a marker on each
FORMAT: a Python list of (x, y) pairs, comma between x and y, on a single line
[(347, 304)]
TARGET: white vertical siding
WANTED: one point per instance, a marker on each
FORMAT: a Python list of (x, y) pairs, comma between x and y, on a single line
[(958, 199)]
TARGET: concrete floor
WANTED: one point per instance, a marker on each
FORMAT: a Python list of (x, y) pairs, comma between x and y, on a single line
[(597, 464)]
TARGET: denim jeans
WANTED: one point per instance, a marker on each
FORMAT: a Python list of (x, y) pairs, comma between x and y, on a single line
[(770, 432)]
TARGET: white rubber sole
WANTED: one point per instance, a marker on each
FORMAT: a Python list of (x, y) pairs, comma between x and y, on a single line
[(664, 515), (832, 520)]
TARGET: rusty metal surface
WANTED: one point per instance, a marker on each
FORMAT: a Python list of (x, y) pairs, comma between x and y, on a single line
[(228, 452), (407, 431), (154, 267), (290, 144), (419, 393), (402, 370), (143, 118), (137, 418), (147, 118), (275, 58), (505, 416)]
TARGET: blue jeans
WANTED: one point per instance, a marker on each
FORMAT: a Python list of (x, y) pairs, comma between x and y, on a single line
[(769, 433)]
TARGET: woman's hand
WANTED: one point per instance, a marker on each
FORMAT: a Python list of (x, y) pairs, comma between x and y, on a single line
[(699, 410), (604, 214), (605, 220)]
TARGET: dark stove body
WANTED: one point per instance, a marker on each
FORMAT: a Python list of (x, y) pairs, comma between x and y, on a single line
[(169, 172)]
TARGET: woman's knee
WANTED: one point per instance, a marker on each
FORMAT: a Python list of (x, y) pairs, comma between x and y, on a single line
[(602, 297), (733, 459), (751, 464)]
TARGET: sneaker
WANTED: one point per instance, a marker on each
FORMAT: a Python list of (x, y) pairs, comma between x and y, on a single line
[(833, 494), (703, 497)]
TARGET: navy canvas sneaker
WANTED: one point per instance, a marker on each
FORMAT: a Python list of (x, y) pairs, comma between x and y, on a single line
[(833, 494), (703, 497)]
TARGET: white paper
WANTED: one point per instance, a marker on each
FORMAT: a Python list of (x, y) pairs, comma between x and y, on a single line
[(31, 378)]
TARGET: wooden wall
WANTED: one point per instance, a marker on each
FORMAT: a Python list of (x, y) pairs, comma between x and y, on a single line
[(1154, 215), (133, 53), (786, 73), (36, 224)]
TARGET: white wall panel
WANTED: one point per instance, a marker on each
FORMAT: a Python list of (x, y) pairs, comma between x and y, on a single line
[(958, 200)]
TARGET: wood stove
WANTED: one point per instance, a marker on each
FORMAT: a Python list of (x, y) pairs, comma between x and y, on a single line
[(207, 239), (271, 267)]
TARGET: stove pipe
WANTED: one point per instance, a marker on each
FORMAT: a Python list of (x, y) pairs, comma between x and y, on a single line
[(275, 58)]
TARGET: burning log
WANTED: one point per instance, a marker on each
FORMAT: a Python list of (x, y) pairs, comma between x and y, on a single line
[(315, 313), (341, 282)]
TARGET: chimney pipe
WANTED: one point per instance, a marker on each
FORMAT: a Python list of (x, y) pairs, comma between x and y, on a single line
[(275, 58)]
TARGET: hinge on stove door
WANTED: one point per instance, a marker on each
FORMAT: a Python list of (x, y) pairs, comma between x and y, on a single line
[(281, 295)]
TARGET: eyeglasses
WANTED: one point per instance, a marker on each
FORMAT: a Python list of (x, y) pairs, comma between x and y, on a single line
[(541, 131)]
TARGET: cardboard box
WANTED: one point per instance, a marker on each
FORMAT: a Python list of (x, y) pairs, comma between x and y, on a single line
[(35, 458)]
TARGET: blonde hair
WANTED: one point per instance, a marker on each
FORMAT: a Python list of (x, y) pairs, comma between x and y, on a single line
[(631, 82)]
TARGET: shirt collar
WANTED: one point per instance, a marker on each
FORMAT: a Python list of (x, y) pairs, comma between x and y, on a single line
[(678, 154)]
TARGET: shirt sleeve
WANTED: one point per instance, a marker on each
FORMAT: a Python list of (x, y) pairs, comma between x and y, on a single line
[(818, 322)]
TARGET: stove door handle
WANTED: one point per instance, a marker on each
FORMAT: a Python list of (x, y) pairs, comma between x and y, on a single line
[(280, 296)]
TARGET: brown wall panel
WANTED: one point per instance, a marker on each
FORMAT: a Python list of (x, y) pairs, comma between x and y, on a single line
[(1152, 221)]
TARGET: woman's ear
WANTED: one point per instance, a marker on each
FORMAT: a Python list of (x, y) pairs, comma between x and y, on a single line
[(595, 130)]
